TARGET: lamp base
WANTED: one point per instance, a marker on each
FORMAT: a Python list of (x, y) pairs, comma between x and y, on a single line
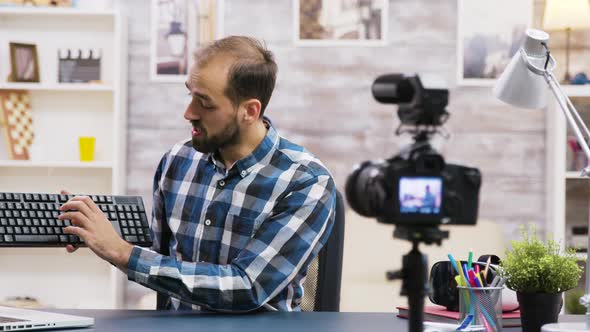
[(566, 327)]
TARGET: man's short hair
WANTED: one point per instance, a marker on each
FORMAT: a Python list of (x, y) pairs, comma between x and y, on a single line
[(253, 73)]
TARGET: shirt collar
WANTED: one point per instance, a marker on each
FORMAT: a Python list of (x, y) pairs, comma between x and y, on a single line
[(260, 154)]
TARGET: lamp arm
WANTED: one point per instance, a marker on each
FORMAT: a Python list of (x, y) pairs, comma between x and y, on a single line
[(570, 113), (575, 113), (569, 109)]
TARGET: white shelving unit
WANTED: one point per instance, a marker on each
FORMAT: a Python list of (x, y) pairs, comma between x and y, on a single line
[(61, 114), (567, 192)]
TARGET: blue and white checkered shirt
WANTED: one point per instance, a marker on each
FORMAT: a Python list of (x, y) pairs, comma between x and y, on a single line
[(242, 238)]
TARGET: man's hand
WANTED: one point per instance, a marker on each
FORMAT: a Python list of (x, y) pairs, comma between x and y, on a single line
[(90, 224)]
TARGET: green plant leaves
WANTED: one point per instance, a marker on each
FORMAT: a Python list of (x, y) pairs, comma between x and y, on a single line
[(537, 267)]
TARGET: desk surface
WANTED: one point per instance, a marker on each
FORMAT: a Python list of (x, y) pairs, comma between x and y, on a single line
[(147, 320)]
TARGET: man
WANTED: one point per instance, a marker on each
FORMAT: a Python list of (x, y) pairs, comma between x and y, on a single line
[(247, 209), (429, 201)]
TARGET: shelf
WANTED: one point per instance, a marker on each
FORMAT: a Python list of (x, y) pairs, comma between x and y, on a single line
[(59, 11), (577, 90), (581, 255), (92, 87), (55, 164), (575, 175)]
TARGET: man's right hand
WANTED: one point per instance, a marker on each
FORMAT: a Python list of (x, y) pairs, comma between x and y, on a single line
[(70, 247)]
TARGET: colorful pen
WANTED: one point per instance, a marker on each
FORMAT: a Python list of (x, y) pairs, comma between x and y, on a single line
[(485, 271), (453, 263)]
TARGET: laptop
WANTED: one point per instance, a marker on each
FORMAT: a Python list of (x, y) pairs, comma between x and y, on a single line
[(16, 319)]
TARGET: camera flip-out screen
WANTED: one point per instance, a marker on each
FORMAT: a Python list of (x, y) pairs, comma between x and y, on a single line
[(420, 195)]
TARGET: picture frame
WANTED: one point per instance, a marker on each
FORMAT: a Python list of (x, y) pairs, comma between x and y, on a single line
[(37, 3), (24, 62), (488, 35), (340, 22), (178, 29)]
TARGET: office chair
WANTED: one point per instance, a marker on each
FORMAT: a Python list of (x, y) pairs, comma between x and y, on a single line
[(324, 275)]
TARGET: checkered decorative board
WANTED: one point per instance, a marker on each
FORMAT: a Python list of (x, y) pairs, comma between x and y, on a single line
[(15, 113)]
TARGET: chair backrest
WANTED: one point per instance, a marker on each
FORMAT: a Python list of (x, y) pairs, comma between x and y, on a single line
[(324, 275)]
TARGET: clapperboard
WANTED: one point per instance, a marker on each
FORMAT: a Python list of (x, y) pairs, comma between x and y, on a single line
[(79, 66)]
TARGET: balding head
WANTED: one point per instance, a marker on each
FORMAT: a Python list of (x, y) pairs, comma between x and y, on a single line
[(252, 73)]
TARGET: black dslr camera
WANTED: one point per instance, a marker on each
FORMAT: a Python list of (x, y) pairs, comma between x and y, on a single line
[(415, 187)]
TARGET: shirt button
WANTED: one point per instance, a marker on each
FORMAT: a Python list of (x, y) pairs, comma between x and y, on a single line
[(244, 173), (208, 222), (222, 183)]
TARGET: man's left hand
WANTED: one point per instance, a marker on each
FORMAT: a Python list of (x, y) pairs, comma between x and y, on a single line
[(90, 224)]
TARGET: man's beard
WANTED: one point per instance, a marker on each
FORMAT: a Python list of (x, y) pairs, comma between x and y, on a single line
[(228, 136)]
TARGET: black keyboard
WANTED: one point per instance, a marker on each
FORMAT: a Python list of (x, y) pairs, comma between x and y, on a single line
[(30, 219)]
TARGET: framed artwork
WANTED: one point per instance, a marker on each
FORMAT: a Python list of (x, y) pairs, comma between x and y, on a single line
[(178, 29), (340, 22), (17, 120), (24, 62), (489, 33), (55, 3)]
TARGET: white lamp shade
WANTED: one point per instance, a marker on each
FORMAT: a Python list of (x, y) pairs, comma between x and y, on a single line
[(563, 14), (518, 85)]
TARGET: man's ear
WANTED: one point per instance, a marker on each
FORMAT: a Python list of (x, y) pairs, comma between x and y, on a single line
[(252, 109)]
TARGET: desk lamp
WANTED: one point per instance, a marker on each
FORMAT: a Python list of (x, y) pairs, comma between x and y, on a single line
[(566, 15), (524, 83)]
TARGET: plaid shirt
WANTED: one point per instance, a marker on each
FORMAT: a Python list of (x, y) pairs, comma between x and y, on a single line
[(242, 238)]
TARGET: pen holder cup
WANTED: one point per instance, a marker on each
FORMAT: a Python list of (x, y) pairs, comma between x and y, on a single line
[(480, 308)]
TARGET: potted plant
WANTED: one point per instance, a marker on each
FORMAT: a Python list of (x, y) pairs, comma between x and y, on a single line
[(539, 272)]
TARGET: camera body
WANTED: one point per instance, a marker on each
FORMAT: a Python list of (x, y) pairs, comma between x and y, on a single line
[(415, 192), (415, 187)]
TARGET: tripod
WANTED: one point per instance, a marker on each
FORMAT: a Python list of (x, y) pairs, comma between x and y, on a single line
[(414, 269)]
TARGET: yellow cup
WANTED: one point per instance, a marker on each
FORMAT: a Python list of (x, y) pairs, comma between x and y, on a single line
[(86, 148)]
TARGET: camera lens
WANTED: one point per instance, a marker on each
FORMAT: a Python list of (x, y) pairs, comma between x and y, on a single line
[(364, 190)]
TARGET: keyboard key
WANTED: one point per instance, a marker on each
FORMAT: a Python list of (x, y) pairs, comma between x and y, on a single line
[(36, 238), (131, 238)]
